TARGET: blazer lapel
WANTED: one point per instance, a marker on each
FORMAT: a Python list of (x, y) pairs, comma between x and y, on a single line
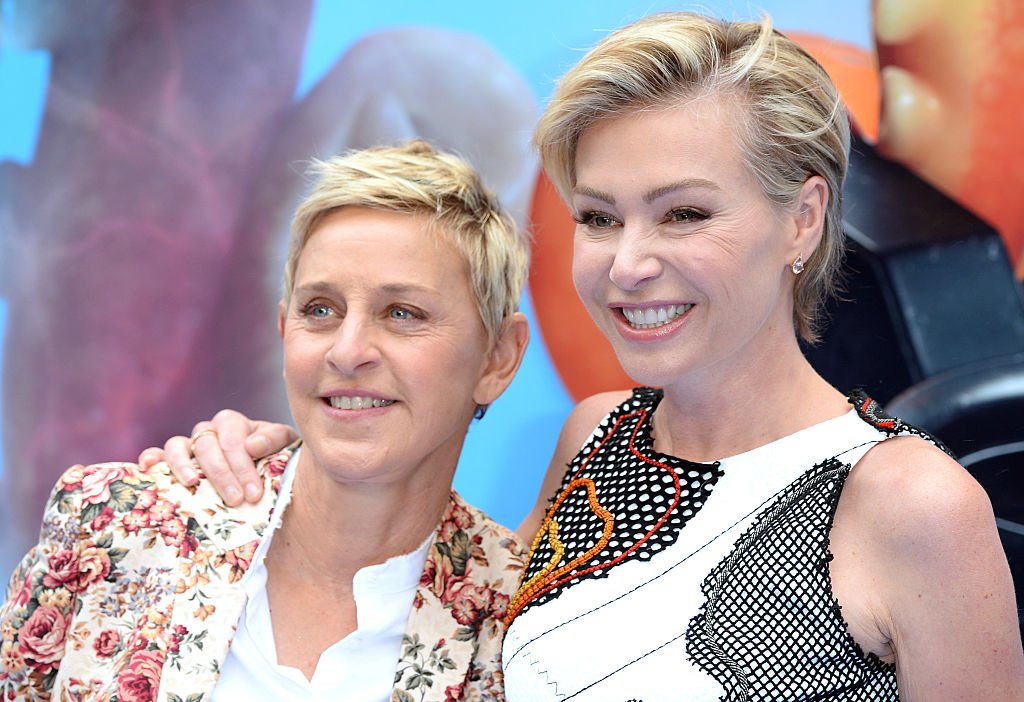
[(234, 528), (437, 650), (200, 631), (206, 614)]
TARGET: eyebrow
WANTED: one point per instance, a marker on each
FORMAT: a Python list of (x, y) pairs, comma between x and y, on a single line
[(651, 195), (403, 288), (389, 288)]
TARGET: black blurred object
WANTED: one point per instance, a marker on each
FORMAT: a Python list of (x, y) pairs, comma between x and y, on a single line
[(930, 287), (978, 412), (932, 326)]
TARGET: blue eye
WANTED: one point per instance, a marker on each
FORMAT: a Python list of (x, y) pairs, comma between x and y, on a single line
[(400, 313), (317, 310)]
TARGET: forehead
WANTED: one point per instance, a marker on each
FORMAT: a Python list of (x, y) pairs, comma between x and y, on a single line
[(695, 139), (386, 244)]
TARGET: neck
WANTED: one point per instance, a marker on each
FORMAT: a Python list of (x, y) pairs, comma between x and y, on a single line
[(331, 530), (721, 412)]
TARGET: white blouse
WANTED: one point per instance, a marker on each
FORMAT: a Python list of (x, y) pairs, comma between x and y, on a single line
[(360, 667)]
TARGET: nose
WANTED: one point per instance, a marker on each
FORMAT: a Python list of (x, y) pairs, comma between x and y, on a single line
[(355, 347), (636, 263)]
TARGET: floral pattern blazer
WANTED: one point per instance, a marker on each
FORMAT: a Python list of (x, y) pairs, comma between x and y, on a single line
[(133, 593)]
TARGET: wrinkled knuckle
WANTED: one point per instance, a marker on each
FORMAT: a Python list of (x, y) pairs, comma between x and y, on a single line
[(176, 445), (225, 416), (215, 470)]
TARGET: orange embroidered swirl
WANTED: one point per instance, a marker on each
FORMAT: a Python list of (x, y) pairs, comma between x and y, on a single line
[(554, 573), (551, 572)]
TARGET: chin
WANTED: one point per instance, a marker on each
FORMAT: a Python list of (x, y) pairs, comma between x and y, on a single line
[(646, 373)]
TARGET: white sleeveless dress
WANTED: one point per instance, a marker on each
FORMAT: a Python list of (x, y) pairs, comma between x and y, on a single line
[(656, 578)]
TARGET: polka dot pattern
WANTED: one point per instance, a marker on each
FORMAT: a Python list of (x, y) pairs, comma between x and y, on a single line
[(619, 501)]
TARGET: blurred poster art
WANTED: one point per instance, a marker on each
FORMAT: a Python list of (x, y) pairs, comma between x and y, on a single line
[(142, 245), (146, 238)]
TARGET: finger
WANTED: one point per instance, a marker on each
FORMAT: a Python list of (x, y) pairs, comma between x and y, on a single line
[(199, 427), (150, 456), (178, 454), (268, 438), (214, 464), (233, 429)]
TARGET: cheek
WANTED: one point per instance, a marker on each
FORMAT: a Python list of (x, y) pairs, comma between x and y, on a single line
[(299, 359), (729, 264), (589, 267), (440, 362)]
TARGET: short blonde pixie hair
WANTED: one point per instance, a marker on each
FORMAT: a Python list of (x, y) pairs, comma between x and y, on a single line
[(415, 178), (793, 124)]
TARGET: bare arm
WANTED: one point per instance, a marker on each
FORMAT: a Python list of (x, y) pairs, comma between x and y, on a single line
[(578, 426), (946, 598), (225, 455)]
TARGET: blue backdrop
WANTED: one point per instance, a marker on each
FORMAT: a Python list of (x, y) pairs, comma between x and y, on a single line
[(499, 471)]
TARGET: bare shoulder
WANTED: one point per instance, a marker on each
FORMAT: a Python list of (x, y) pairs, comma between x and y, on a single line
[(916, 494), (586, 416), (934, 573), (578, 426)]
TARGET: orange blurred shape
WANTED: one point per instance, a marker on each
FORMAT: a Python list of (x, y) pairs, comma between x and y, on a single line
[(952, 92), (583, 357), (853, 71)]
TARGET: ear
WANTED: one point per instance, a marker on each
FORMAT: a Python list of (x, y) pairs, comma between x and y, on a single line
[(811, 208), (282, 311), (503, 359)]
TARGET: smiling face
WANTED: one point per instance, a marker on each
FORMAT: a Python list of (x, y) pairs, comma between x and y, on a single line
[(678, 256), (385, 354)]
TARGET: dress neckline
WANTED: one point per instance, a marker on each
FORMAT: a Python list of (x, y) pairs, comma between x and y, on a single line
[(652, 397)]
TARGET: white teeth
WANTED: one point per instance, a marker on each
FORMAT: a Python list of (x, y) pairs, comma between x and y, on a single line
[(650, 317), (356, 402)]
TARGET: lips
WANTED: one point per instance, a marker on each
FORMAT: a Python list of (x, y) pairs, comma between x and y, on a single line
[(655, 316)]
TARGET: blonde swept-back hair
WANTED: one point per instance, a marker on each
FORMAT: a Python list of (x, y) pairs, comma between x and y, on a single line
[(792, 122), (415, 178)]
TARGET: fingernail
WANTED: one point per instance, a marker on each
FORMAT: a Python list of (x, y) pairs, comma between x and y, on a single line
[(232, 494), (188, 477), (251, 492)]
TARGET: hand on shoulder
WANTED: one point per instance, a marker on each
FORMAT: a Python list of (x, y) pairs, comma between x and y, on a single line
[(225, 449)]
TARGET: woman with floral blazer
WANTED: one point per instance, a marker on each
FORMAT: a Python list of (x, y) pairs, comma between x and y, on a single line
[(133, 593), (399, 324)]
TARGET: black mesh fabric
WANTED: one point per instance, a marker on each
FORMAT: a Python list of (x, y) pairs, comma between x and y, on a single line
[(770, 628)]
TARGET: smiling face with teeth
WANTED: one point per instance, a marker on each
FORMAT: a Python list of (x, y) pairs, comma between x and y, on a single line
[(385, 354), (679, 257)]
